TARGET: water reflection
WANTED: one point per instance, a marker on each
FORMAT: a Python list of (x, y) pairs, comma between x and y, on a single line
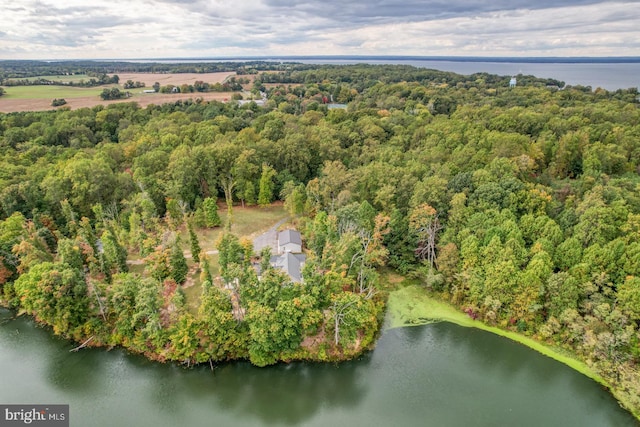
[(433, 375), (289, 394)]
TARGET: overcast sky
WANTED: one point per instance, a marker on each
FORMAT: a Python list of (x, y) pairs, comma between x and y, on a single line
[(69, 29)]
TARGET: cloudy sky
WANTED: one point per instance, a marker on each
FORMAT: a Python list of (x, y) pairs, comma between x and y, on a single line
[(69, 29)]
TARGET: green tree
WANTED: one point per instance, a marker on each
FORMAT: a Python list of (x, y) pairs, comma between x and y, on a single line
[(195, 245), (212, 219), (230, 251), (114, 253), (55, 294), (178, 268), (265, 194)]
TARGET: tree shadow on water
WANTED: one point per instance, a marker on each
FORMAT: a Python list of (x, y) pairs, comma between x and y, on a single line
[(285, 393)]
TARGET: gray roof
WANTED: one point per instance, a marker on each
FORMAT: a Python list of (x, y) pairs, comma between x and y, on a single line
[(289, 236), (290, 264)]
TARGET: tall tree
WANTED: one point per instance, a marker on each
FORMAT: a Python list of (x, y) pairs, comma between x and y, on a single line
[(177, 262), (210, 206), (195, 245), (265, 194)]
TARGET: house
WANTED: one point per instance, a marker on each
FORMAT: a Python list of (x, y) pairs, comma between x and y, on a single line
[(289, 257), (290, 263), (289, 241)]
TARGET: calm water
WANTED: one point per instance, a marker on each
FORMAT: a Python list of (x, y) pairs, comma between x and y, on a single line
[(610, 76), (434, 375)]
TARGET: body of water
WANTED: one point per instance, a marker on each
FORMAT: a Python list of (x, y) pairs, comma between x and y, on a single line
[(610, 76), (594, 72), (434, 375)]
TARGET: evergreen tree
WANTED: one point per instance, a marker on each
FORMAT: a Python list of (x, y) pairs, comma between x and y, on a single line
[(177, 263), (205, 273), (211, 217), (195, 245)]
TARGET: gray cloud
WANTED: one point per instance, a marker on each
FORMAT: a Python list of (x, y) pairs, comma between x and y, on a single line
[(131, 28), (380, 11)]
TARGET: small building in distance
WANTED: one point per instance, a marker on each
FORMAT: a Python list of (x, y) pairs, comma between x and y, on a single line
[(513, 82)]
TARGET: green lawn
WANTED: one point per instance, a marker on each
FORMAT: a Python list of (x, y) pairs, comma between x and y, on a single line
[(46, 91), (75, 78), (247, 222)]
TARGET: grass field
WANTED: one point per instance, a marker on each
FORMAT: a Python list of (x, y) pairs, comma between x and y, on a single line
[(50, 92), (247, 222), (38, 98), (75, 78)]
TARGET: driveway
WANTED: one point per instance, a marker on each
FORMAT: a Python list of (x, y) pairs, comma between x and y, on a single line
[(268, 238)]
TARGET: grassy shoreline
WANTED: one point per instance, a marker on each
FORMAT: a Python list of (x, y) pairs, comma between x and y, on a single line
[(412, 306)]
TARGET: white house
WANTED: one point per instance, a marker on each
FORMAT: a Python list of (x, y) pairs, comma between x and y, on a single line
[(289, 241)]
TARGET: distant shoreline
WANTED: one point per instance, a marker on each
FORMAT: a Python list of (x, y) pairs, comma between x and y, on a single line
[(272, 58)]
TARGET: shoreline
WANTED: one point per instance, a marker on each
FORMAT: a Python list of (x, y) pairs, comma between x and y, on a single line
[(412, 306)]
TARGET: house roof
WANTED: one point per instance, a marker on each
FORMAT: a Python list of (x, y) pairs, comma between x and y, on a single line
[(290, 264), (289, 236)]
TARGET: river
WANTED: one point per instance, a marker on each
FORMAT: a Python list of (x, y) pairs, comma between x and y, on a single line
[(432, 375)]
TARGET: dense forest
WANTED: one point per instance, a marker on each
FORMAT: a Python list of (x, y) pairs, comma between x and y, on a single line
[(521, 206)]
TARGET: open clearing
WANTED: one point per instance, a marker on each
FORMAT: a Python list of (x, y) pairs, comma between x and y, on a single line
[(175, 79), (9, 104), (47, 92), (70, 78), (38, 98), (247, 222)]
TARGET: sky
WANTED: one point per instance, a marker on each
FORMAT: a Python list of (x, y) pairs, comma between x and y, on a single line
[(127, 29)]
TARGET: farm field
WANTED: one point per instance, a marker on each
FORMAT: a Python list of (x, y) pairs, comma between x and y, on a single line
[(89, 97), (175, 79), (49, 92), (38, 98), (54, 78)]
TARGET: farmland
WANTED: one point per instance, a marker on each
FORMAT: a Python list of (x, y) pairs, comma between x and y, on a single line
[(38, 98), (175, 79)]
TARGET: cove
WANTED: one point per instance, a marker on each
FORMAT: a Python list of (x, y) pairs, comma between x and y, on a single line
[(432, 375)]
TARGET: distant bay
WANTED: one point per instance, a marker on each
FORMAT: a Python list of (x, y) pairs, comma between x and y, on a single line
[(610, 76), (608, 73)]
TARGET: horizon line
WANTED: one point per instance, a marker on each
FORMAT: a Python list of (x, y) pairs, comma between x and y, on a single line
[(279, 58)]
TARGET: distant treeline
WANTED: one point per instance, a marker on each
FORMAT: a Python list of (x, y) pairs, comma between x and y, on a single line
[(96, 79), (366, 75), (12, 70)]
